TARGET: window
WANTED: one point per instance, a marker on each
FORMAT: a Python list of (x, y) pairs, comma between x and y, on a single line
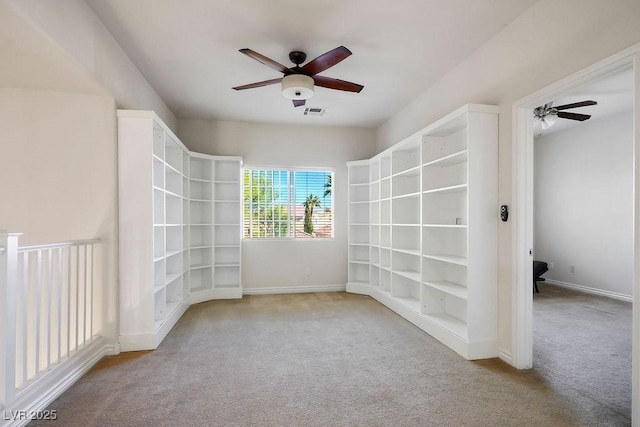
[(280, 203)]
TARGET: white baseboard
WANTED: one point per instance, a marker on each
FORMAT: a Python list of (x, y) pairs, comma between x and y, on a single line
[(359, 288), (505, 356), (151, 341), (470, 350), (217, 293), (293, 289), (46, 389), (588, 290)]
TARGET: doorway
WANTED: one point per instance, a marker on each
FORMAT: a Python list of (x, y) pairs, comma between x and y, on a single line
[(522, 226), (583, 234)]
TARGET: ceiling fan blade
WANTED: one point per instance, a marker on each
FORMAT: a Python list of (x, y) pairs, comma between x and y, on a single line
[(326, 60), (575, 105), (298, 102), (266, 61), (258, 84), (574, 116), (337, 84)]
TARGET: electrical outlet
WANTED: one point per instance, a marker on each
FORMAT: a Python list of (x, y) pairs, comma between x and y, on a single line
[(572, 268), (551, 266), (308, 271)]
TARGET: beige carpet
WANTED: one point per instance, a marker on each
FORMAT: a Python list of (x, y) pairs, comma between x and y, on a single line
[(324, 359), (582, 348)]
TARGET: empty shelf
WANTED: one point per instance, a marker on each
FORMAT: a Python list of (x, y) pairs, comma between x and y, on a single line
[(449, 288)]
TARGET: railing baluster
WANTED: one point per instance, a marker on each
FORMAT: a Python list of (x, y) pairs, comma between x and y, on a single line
[(69, 302), (48, 300), (20, 329), (91, 296), (59, 305), (77, 319), (25, 289), (84, 298), (38, 308)]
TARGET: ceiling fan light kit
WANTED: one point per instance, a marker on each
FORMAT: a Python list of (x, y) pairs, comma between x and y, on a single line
[(547, 115), (547, 121), (297, 86), (298, 82)]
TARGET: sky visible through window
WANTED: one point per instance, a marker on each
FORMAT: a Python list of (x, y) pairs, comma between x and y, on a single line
[(307, 182), (312, 183)]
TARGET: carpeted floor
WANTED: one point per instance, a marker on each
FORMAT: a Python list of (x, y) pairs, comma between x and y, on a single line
[(324, 359), (582, 348)]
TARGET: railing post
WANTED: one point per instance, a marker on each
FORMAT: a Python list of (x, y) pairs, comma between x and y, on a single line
[(8, 283)]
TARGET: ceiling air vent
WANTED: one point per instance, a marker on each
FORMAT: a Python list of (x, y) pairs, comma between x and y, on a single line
[(315, 111)]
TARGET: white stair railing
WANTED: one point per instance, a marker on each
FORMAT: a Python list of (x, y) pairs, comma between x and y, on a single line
[(46, 309)]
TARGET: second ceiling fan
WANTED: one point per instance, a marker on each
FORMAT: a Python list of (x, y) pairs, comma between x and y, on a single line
[(546, 115), (298, 82)]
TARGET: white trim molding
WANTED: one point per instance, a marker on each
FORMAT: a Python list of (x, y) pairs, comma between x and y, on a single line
[(49, 387), (588, 290), (293, 289), (635, 360), (505, 356)]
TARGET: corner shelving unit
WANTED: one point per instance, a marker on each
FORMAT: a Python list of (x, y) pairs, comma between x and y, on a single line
[(359, 220), (435, 198), (180, 228), (215, 227)]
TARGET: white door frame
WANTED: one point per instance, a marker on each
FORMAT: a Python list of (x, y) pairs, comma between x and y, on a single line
[(522, 209)]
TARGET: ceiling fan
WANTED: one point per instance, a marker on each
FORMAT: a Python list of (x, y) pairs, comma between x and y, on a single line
[(546, 115), (298, 82)]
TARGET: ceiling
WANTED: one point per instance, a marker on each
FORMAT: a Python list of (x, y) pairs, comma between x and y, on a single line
[(612, 92), (188, 51)]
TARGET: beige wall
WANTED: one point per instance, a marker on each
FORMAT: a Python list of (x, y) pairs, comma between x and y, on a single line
[(59, 177), (30, 60), (62, 76), (277, 263), (550, 41), (79, 35)]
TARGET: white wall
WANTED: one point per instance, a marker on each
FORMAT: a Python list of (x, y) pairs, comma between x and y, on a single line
[(58, 176), (548, 42), (583, 204), (79, 34), (278, 263)]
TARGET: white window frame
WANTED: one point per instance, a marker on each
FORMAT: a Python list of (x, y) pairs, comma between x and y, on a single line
[(291, 203)]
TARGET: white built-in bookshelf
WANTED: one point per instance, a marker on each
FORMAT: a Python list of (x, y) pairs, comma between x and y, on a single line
[(180, 238), (374, 215), (433, 230), (405, 223), (227, 234), (359, 222), (200, 223)]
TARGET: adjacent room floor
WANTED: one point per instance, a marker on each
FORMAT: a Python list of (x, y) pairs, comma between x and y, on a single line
[(582, 349), (321, 359)]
